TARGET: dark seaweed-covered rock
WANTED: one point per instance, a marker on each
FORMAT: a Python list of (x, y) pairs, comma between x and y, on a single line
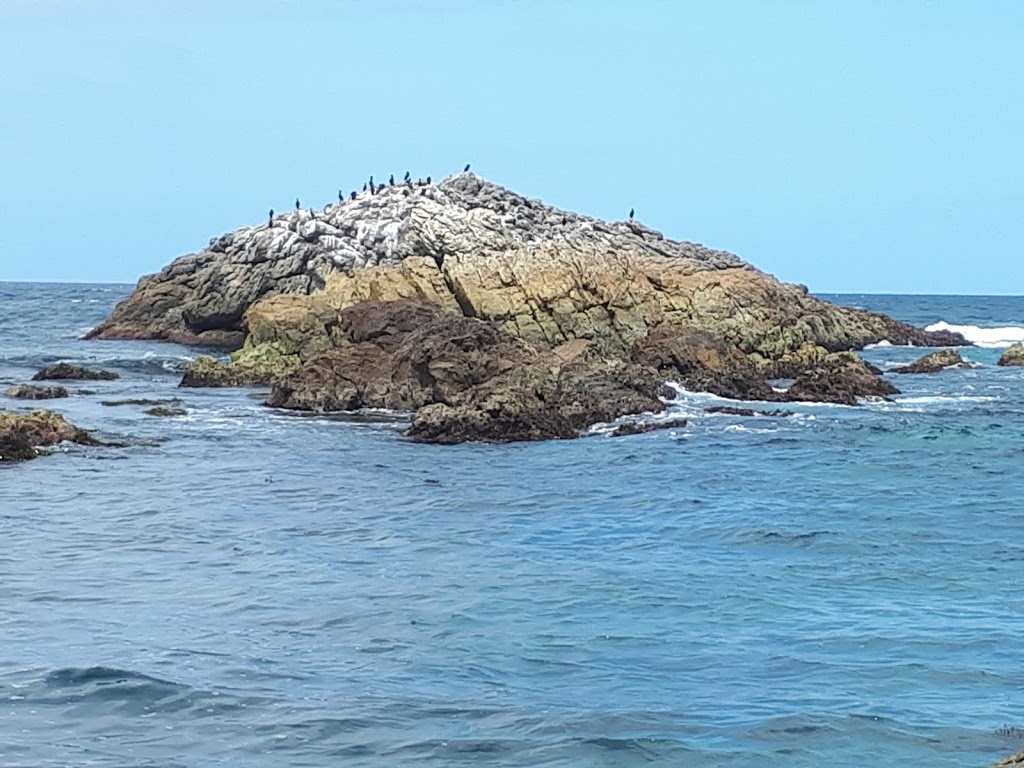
[(35, 392), (465, 379), (71, 371), (642, 427), (842, 378), (730, 410)]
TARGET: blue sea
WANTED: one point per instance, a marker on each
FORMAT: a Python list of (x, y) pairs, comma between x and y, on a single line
[(246, 587)]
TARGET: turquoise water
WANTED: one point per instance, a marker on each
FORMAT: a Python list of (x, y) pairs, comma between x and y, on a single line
[(248, 587)]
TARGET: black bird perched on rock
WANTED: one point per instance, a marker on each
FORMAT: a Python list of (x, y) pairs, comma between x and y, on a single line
[(631, 214), (341, 196), (428, 179), (297, 206), (364, 187), (353, 195), (270, 218), (407, 176), (466, 169), (391, 181)]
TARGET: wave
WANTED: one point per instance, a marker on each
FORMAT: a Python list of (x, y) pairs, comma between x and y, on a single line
[(983, 337)]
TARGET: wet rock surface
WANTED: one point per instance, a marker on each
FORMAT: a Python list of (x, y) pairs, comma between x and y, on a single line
[(69, 371), (643, 427), (841, 378), (35, 392)]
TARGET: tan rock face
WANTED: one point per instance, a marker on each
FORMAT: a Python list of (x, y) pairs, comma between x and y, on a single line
[(479, 250), (1013, 355)]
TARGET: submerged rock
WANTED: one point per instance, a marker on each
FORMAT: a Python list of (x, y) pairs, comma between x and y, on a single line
[(164, 411), (21, 432), (934, 362), (35, 392), (642, 427), (730, 410), (1012, 355), (72, 371)]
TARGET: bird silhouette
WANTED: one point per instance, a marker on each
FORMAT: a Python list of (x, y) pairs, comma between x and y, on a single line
[(631, 212), (341, 195), (428, 179), (466, 169), (391, 181), (353, 195), (364, 187), (407, 176), (297, 206), (270, 218)]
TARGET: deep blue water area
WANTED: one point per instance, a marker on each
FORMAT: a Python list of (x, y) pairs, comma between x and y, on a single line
[(246, 587)]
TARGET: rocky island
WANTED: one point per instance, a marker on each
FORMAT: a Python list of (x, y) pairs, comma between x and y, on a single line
[(493, 316)]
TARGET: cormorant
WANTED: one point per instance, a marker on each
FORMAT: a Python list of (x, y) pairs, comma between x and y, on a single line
[(364, 187), (297, 206), (373, 189), (270, 219), (466, 169), (391, 181), (353, 195), (631, 214), (340, 196), (407, 176), (428, 179)]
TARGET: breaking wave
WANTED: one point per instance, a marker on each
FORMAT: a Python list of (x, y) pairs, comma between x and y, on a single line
[(983, 337)]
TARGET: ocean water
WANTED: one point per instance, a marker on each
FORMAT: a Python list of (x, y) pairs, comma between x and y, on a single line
[(241, 586)]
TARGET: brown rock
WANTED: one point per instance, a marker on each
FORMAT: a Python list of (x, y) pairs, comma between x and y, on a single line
[(34, 392), (934, 362), (21, 432), (842, 378)]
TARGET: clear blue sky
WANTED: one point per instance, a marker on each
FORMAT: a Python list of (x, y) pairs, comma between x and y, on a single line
[(868, 146)]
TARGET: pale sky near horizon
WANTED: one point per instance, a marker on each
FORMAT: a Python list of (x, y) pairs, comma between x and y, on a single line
[(868, 146)]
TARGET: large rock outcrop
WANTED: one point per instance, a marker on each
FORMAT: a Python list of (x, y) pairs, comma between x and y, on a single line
[(495, 317), (476, 249)]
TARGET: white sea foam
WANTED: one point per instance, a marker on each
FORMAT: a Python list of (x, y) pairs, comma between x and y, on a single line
[(983, 337), (879, 345)]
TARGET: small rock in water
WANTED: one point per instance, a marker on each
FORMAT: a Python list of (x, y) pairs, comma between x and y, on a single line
[(71, 371), (934, 362), (35, 392), (161, 411), (1013, 356), (639, 427)]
